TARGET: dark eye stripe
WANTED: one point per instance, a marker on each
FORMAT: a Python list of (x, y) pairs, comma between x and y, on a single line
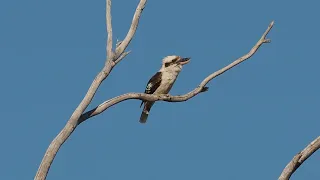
[(176, 59), (173, 61)]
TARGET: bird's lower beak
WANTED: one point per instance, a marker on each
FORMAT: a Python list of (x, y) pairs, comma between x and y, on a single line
[(184, 61)]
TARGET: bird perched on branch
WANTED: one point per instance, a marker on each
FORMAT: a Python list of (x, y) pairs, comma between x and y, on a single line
[(162, 81)]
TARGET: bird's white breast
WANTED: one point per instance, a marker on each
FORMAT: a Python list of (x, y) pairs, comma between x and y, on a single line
[(167, 80)]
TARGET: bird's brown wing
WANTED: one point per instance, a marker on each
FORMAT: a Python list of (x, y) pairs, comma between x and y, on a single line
[(153, 84)]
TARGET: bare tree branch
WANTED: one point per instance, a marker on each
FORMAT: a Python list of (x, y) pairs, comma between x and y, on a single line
[(298, 159), (123, 55), (109, 29), (201, 88), (68, 129), (73, 121), (134, 25)]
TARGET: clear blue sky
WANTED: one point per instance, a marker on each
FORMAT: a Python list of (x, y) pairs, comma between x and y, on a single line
[(249, 125)]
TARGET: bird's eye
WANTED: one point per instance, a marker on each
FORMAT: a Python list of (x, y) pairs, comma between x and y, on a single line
[(175, 60), (172, 62)]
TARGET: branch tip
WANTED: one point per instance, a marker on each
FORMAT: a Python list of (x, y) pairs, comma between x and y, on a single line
[(204, 89), (123, 55), (272, 22), (267, 41)]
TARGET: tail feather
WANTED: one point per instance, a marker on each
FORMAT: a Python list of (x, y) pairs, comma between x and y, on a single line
[(141, 103), (144, 116), (145, 112)]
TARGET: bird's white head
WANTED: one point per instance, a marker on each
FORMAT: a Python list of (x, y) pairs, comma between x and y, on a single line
[(174, 63)]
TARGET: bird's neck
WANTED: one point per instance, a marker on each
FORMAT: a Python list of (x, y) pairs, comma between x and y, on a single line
[(172, 70), (169, 74)]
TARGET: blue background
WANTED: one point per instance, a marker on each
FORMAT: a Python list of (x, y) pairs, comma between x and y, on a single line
[(249, 125)]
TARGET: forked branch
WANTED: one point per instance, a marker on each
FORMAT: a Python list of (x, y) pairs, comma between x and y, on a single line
[(201, 88), (111, 61), (298, 159)]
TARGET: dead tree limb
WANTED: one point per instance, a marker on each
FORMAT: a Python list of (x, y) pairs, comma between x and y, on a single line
[(103, 74), (109, 29), (201, 88), (114, 57), (298, 159)]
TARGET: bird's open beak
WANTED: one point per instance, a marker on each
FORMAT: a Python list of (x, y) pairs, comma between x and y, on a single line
[(184, 61)]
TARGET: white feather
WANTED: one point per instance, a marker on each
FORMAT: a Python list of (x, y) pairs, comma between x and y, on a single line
[(169, 75)]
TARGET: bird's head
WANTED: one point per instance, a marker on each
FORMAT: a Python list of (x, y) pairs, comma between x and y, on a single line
[(174, 63)]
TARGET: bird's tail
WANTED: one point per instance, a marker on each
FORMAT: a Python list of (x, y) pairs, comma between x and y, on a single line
[(145, 112), (144, 116)]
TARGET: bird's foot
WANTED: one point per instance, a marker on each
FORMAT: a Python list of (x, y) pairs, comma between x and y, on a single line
[(164, 95)]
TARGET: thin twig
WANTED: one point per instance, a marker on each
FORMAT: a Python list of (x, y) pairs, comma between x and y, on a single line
[(201, 88), (123, 55), (241, 59), (298, 159)]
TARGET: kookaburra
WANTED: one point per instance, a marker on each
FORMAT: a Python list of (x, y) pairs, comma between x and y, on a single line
[(162, 81)]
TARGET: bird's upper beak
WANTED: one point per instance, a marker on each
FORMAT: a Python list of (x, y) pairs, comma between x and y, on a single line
[(184, 61)]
